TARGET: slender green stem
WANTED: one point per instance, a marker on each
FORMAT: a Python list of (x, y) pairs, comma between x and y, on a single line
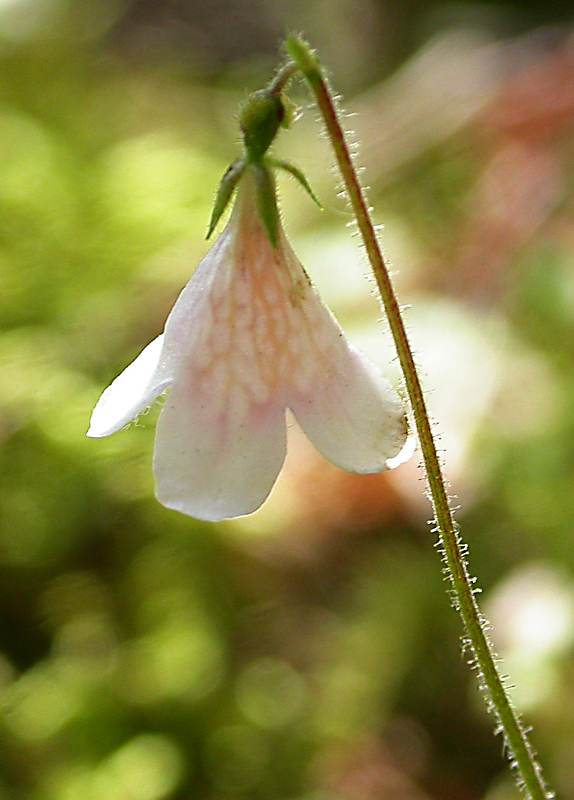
[(521, 754), (282, 77)]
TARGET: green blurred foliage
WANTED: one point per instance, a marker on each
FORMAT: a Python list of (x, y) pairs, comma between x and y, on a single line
[(310, 653)]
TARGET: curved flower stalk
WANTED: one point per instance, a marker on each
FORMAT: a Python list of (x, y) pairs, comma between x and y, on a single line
[(248, 338), (453, 549)]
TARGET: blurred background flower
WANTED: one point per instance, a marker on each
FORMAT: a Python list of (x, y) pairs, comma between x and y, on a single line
[(307, 651)]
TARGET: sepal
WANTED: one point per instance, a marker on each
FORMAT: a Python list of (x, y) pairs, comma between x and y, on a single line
[(224, 193), (266, 201), (292, 112), (296, 173)]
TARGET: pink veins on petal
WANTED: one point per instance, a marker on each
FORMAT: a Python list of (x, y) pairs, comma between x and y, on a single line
[(247, 338)]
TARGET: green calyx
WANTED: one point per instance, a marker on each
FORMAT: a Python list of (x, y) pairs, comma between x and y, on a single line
[(264, 113), (265, 194), (262, 173)]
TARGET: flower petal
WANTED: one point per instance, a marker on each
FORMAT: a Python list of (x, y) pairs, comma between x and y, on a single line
[(346, 408), (152, 372), (215, 462), (131, 392), (190, 321)]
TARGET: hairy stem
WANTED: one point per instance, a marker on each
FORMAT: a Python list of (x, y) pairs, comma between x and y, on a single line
[(522, 757), (282, 77)]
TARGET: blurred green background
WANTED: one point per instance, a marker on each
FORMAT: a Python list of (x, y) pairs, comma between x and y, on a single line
[(307, 652)]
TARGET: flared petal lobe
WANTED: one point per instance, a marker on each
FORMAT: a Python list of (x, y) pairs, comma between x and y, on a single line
[(347, 409), (352, 415), (217, 457), (131, 393), (151, 373)]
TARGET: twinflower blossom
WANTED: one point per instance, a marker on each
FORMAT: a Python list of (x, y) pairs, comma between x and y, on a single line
[(247, 339)]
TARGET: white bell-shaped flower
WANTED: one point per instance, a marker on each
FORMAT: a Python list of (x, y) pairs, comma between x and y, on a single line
[(248, 338)]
